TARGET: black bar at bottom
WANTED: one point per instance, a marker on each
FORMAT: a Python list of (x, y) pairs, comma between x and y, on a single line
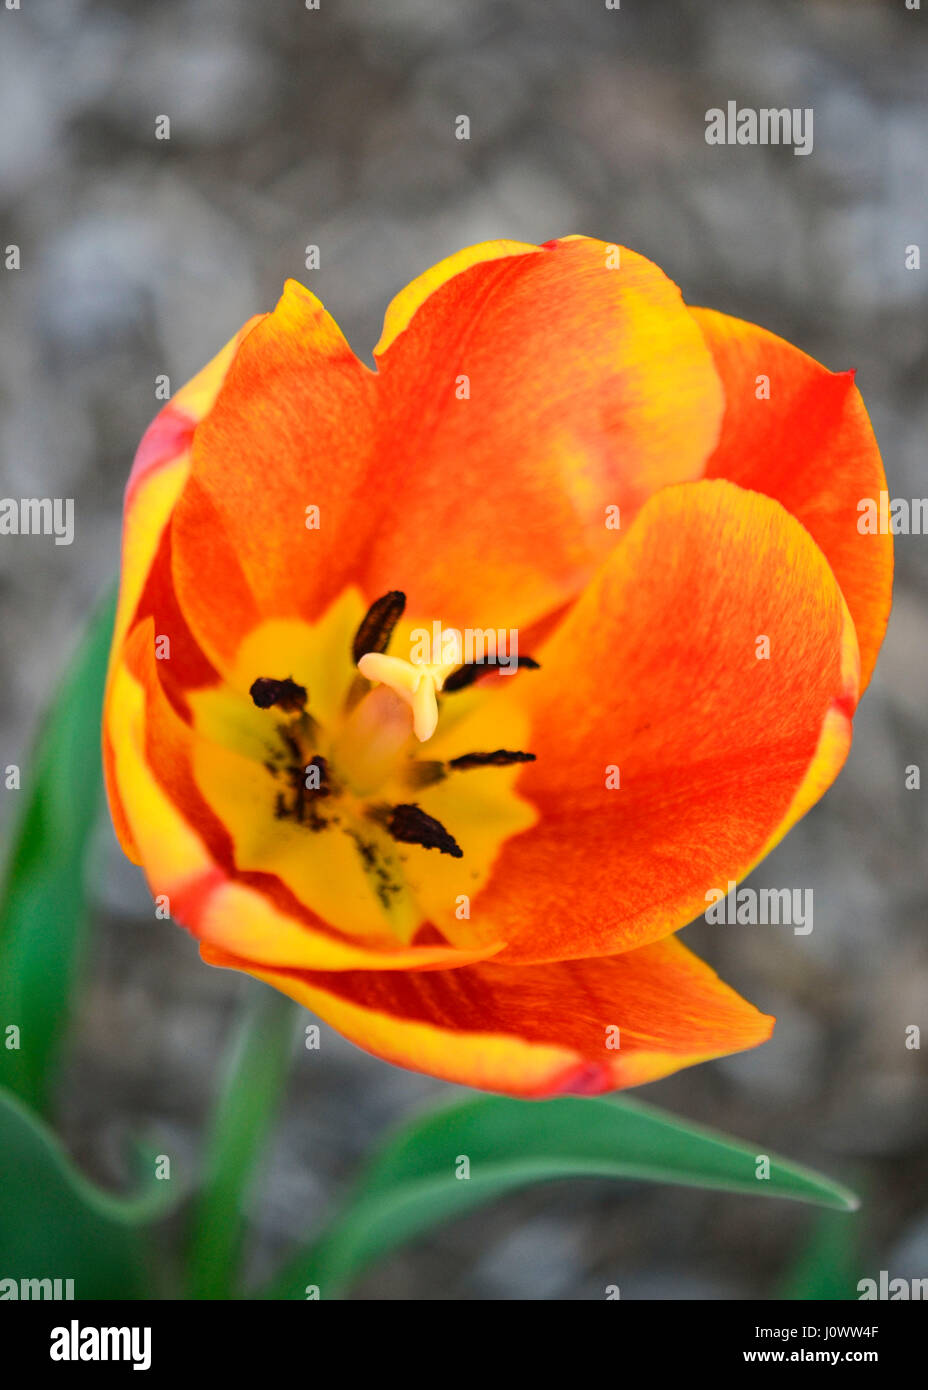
[(313, 1341)]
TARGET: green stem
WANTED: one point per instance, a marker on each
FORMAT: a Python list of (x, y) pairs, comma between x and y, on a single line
[(244, 1116)]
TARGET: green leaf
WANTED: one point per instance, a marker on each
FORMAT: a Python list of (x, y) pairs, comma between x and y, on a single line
[(827, 1266), (55, 1223), (243, 1119), (413, 1185), (43, 903)]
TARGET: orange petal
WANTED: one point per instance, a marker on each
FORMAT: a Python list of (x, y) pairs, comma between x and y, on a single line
[(654, 672), (812, 447), (160, 469), (593, 384), (404, 305), (525, 394), (578, 1027), (292, 429)]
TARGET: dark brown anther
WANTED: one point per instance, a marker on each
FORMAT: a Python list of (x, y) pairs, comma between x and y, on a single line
[(473, 670), (502, 757), (285, 694), (411, 826), (425, 772), (377, 627)]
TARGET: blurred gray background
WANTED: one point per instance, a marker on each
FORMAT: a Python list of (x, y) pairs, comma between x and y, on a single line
[(335, 127)]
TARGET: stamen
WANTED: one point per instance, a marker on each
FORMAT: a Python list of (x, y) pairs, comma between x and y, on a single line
[(424, 772), (285, 694), (410, 825), (502, 757), (473, 670), (377, 627)]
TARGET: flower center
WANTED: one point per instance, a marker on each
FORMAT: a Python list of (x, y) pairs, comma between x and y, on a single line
[(362, 764), (371, 747)]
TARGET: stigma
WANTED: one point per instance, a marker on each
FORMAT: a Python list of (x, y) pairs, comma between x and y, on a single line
[(417, 684)]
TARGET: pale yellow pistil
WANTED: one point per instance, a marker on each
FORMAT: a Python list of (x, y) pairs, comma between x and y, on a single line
[(418, 683)]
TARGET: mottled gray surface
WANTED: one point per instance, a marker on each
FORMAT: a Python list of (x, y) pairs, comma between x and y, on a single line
[(292, 127)]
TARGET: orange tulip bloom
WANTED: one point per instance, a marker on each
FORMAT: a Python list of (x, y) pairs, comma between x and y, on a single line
[(473, 871)]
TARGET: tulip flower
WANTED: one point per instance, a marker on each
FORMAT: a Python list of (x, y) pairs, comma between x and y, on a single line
[(473, 860)]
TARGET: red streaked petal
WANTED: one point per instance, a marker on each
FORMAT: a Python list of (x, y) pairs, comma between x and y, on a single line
[(593, 384), (160, 470), (654, 671), (537, 1030), (293, 428), (812, 447), (588, 388)]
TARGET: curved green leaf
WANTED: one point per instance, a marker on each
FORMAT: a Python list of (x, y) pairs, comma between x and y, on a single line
[(56, 1224), (508, 1144), (42, 906)]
